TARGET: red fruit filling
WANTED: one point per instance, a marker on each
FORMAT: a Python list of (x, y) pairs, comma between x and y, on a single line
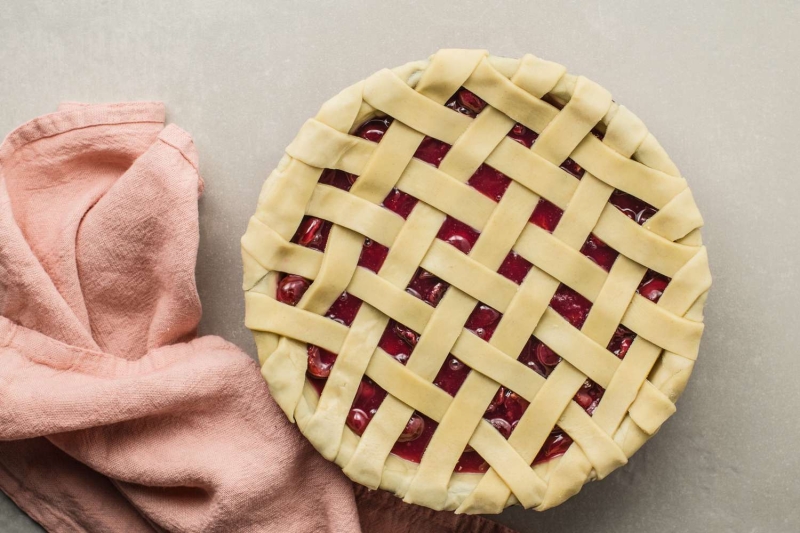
[(466, 103), (483, 321), (398, 341), (515, 267), (490, 182), (634, 208), (571, 305), (337, 178), (291, 288), (599, 252), (458, 234), (312, 233), (427, 287), (653, 285), (506, 407), (546, 215), (400, 202)]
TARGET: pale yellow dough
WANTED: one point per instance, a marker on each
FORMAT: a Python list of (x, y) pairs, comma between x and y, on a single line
[(641, 389)]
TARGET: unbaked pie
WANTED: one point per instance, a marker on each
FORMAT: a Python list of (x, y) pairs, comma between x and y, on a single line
[(475, 281)]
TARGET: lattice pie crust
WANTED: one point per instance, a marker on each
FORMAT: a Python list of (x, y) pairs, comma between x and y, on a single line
[(640, 390)]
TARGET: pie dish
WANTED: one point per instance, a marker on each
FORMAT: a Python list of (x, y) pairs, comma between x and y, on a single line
[(476, 281)]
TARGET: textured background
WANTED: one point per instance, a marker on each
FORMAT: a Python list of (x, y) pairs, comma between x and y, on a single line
[(717, 82)]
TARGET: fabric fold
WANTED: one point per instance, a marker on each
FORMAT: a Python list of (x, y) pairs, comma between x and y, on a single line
[(114, 416)]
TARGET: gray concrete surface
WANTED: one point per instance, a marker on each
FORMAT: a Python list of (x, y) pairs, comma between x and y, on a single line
[(717, 82)]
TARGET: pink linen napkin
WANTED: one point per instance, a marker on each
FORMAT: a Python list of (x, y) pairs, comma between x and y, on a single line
[(113, 415)]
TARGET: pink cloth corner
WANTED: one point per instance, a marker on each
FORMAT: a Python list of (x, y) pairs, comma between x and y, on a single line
[(113, 416)]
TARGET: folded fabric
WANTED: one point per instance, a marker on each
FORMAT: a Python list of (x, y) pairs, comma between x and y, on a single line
[(113, 416)]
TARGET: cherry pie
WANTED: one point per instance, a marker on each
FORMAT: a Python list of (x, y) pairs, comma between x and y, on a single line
[(475, 281)]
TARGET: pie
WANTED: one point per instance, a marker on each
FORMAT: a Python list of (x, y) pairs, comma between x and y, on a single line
[(476, 281)]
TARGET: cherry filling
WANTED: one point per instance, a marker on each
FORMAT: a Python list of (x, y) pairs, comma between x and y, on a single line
[(506, 407), (653, 285), (546, 215), (458, 234), (599, 252), (490, 182), (515, 267), (571, 305), (427, 287), (398, 341), (313, 233), (483, 321), (634, 208), (291, 288)]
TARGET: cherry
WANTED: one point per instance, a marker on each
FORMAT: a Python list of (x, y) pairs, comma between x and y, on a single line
[(357, 420), (413, 430), (584, 399), (483, 333), (406, 335), (427, 287), (291, 288), (338, 178), (546, 356), (460, 242), (496, 402), (555, 445), (432, 151), (372, 255), (505, 410), (313, 233), (527, 356), (599, 252), (434, 296), (451, 377), (320, 361), (653, 288), (559, 445), (394, 344), (483, 321), (482, 316), (455, 365), (400, 202), (573, 168), (368, 397), (470, 461), (571, 305), (502, 426), (490, 182), (413, 293), (466, 103), (515, 406), (458, 234), (374, 129), (366, 391), (634, 208), (546, 215), (630, 213), (471, 101), (621, 341), (523, 135), (424, 275), (645, 214), (413, 449), (515, 267), (589, 395), (344, 309)]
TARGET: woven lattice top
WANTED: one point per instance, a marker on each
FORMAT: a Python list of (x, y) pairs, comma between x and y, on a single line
[(528, 241)]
